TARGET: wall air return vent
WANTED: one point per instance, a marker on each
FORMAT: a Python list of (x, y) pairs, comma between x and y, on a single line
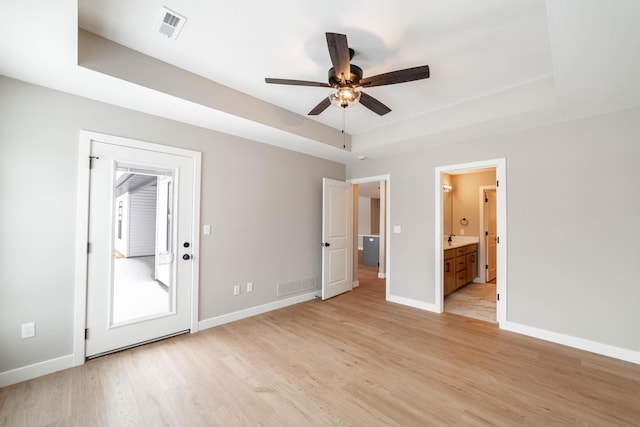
[(170, 23)]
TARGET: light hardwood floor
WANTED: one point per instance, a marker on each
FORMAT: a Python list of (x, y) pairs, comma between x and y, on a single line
[(352, 360)]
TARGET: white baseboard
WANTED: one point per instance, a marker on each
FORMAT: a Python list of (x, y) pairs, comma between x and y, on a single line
[(36, 370), (413, 303), (381, 276), (355, 284), (253, 311), (575, 342)]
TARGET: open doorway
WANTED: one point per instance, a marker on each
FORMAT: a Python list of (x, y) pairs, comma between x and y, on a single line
[(371, 233), (470, 220), (368, 197), (466, 290)]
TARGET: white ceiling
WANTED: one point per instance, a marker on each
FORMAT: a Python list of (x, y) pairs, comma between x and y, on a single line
[(496, 65)]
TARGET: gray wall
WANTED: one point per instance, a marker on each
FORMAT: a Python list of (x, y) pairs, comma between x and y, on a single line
[(263, 203), (573, 212)]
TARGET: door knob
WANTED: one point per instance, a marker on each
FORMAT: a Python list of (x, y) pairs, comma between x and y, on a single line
[(186, 244), (326, 245), (186, 257)]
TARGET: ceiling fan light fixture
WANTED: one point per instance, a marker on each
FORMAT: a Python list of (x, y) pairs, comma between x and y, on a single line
[(344, 97)]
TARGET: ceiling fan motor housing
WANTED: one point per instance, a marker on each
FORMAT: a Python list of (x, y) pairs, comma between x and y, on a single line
[(353, 78)]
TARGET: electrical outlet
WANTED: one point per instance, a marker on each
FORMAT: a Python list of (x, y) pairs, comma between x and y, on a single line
[(236, 290), (28, 330), (250, 287)]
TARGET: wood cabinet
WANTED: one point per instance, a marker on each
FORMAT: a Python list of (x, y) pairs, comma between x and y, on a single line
[(472, 262), (460, 267), (449, 271)]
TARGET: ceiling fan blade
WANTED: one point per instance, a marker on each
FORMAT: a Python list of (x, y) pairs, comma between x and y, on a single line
[(339, 53), (295, 82), (320, 107), (373, 104), (399, 76)]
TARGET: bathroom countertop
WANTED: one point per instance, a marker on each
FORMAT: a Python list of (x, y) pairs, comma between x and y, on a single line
[(459, 242)]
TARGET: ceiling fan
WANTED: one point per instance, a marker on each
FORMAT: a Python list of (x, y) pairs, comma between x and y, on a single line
[(347, 79)]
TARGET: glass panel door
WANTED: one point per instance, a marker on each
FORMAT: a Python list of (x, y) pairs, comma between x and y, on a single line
[(143, 279)]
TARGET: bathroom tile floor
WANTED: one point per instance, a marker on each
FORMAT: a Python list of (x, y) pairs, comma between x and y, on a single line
[(476, 300)]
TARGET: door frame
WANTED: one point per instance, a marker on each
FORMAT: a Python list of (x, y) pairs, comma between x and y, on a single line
[(387, 225), (82, 228), (482, 258), (501, 207)]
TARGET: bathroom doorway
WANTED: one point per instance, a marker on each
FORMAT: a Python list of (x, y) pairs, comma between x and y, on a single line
[(461, 240)]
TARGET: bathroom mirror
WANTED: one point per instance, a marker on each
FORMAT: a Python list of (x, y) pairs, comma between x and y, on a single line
[(447, 206)]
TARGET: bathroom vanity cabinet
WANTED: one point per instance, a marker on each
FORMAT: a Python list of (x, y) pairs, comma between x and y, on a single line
[(460, 267)]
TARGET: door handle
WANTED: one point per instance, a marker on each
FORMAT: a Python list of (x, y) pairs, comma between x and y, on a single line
[(326, 245), (186, 257)]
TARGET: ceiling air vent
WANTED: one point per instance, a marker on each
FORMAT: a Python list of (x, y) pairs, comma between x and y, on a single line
[(170, 23)]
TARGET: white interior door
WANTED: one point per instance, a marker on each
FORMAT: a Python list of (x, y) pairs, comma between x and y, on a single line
[(337, 244), (108, 294), (490, 234)]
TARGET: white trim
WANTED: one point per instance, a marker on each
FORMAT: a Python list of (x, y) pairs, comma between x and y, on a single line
[(195, 265), (82, 237), (413, 303), (501, 195), (381, 275), (575, 342), (355, 284), (82, 228), (483, 241), (439, 234), (387, 231), (501, 259), (39, 369), (254, 311)]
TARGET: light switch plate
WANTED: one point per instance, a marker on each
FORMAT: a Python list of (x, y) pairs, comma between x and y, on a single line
[(28, 330), (206, 229), (397, 229)]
